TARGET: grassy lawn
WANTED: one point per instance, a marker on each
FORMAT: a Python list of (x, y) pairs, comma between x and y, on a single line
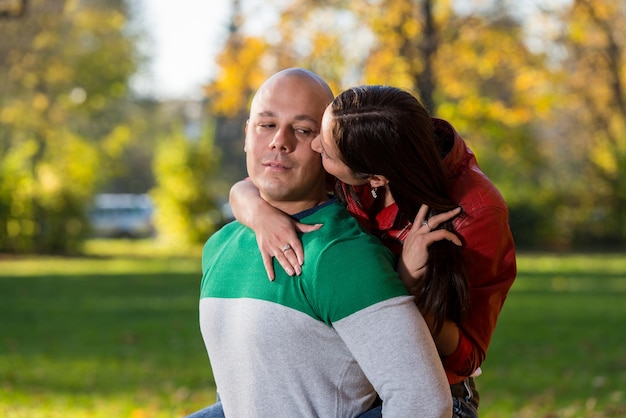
[(102, 337), (116, 335), (560, 346)]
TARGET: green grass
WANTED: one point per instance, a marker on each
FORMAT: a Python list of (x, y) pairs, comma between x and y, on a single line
[(116, 335), (560, 346), (102, 337)]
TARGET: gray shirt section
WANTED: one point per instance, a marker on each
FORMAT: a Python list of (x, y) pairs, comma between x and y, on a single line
[(273, 361)]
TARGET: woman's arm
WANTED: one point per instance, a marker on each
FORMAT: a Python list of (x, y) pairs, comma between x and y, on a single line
[(413, 264), (274, 229)]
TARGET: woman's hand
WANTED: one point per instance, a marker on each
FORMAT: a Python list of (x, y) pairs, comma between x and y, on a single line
[(276, 232), (276, 236), (414, 259)]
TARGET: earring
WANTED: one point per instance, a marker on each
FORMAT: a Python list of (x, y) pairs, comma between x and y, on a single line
[(373, 191)]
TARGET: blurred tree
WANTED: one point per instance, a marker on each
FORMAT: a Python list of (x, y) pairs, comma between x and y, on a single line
[(12, 8), (498, 93), (594, 147), (185, 170), (228, 95), (65, 67), (408, 36), (128, 166)]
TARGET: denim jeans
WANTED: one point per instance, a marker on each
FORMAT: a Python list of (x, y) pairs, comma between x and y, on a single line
[(464, 404), (462, 408), (213, 411), (465, 399), (376, 412)]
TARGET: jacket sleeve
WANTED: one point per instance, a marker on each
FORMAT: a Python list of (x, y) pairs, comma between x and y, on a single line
[(393, 346), (491, 268)]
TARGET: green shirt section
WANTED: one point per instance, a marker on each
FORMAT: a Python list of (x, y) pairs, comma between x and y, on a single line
[(346, 269)]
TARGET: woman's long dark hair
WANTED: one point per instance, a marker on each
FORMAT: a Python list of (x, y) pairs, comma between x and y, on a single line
[(386, 131)]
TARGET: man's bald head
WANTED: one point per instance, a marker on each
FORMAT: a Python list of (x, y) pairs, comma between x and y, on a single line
[(285, 116), (301, 75)]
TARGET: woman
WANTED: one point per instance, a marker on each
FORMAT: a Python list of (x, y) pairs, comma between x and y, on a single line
[(390, 158)]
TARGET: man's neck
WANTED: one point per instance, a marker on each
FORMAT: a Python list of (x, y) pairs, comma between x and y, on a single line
[(292, 208)]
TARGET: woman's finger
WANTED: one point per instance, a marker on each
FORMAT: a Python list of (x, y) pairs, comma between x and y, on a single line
[(268, 262), (421, 215), (441, 234), (436, 220), (288, 259)]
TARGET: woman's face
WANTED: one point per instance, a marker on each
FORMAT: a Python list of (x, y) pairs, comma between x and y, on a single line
[(326, 145)]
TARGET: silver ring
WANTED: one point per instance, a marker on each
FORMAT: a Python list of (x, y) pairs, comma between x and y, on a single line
[(426, 223), (286, 247)]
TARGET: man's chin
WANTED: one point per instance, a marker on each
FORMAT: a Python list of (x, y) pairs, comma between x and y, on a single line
[(272, 190)]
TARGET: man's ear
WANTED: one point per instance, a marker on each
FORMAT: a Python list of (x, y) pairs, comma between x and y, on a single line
[(377, 180)]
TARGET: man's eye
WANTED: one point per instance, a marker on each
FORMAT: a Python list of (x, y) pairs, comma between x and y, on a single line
[(266, 125), (304, 133)]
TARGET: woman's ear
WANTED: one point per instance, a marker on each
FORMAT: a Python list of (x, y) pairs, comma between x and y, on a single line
[(377, 180)]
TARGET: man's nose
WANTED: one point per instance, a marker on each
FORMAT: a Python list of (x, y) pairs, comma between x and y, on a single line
[(283, 140)]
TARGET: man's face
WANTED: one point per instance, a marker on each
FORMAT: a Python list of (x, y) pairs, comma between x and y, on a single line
[(285, 116)]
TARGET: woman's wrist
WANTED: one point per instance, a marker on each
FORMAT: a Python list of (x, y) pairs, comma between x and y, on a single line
[(245, 201)]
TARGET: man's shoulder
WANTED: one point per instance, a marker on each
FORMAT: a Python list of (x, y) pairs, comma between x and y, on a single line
[(341, 229), (229, 231), (226, 230)]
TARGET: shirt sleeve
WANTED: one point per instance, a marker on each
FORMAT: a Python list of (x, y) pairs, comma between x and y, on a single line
[(491, 269), (393, 346)]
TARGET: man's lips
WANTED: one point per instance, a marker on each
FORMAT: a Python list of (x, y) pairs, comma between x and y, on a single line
[(276, 165)]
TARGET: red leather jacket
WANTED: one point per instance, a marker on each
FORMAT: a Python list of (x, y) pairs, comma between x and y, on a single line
[(489, 250)]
